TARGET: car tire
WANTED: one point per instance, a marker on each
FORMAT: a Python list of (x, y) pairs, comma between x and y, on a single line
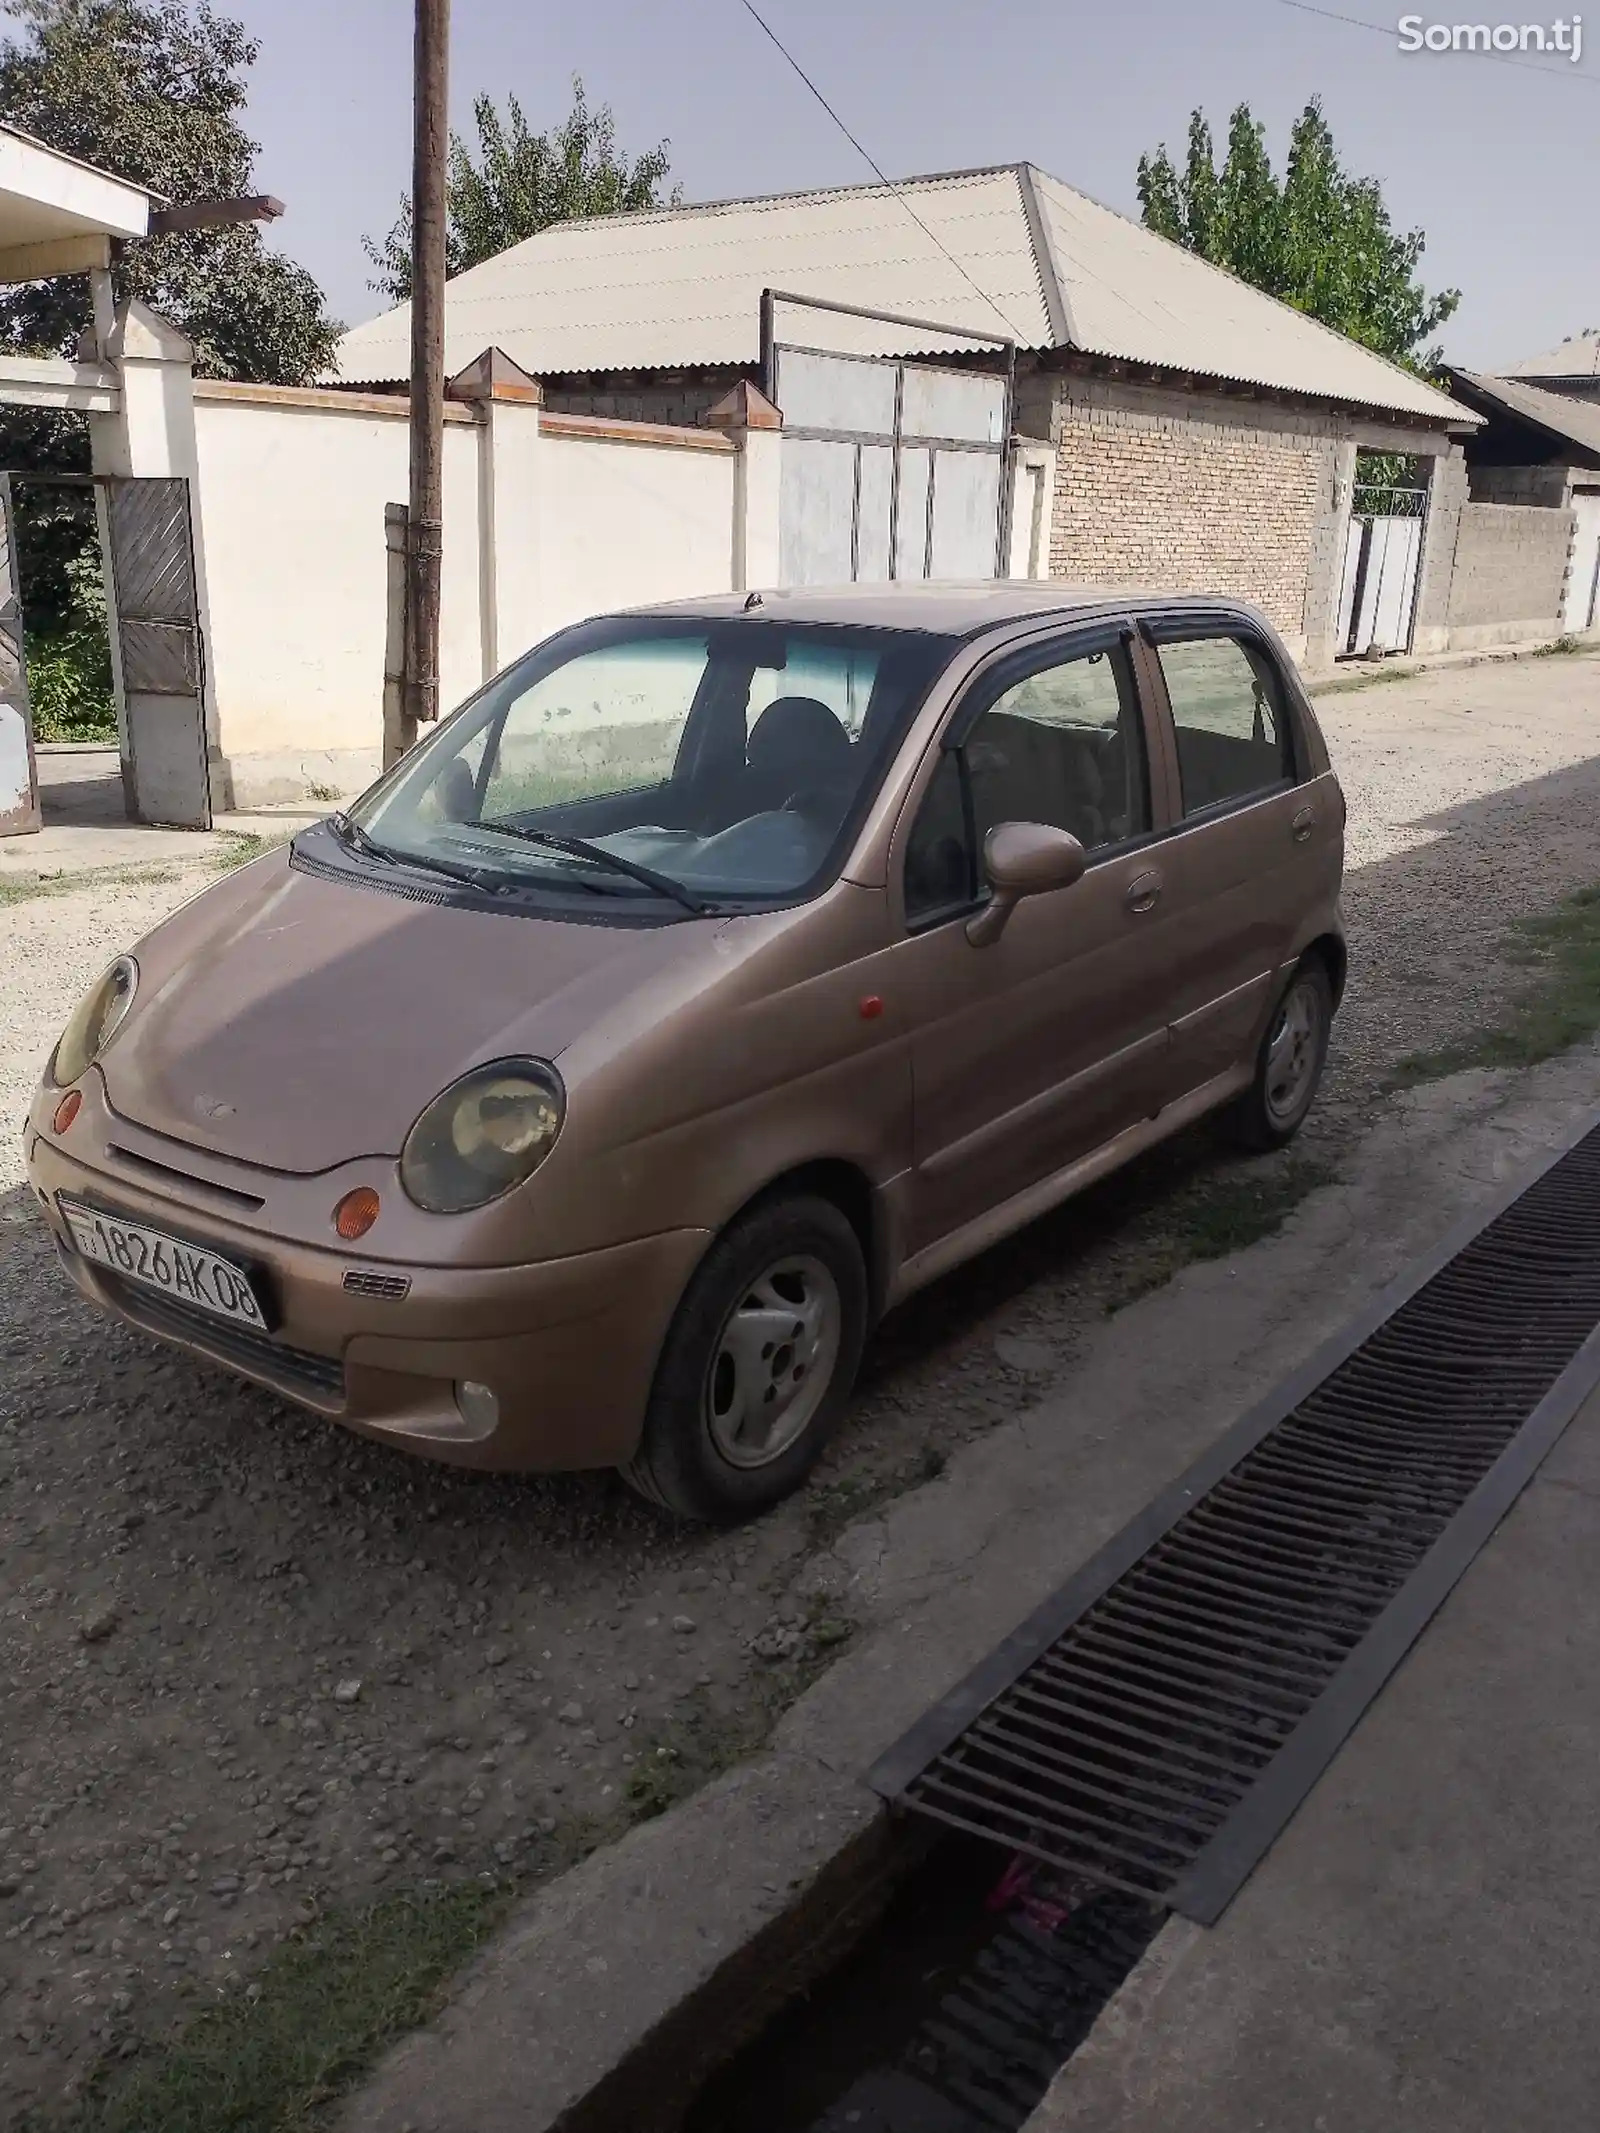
[(758, 1365), (1294, 1050)]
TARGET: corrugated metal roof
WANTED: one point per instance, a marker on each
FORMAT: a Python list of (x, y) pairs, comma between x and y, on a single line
[(1006, 251), (1575, 421), (1578, 356)]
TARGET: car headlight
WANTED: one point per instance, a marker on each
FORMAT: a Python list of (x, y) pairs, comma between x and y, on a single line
[(486, 1133), (95, 1021)]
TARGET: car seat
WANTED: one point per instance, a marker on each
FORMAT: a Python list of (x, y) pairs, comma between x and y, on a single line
[(798, 749)]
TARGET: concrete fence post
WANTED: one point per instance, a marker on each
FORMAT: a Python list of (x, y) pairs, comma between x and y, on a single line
[(749, 418), (506, 401), (152, 433)]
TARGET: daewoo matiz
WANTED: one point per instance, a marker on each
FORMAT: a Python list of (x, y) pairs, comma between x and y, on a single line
[(716, 976)]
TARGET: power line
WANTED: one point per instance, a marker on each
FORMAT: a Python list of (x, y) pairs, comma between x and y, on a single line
[(1385, 29), (879, 173)]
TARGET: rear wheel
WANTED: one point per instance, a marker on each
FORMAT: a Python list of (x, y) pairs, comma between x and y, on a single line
[(758, 1365), (1289, 1065)]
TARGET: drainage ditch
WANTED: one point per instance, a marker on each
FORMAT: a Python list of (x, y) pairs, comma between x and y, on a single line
[(952, 2014), (1133, 1748)]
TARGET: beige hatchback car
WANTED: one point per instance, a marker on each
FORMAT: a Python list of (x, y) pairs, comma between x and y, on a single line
[(716, 976)]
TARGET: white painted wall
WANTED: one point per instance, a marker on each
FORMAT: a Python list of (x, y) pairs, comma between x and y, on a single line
[(291, 503), (646, 522), (545, 522)]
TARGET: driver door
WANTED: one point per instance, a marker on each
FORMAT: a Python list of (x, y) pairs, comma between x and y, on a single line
[(1034, 1049)]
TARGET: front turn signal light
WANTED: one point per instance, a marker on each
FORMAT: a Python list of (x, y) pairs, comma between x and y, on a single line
[(356, 1213)]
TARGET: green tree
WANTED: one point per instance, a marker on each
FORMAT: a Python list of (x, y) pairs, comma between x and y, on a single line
[(1320, 239), (518, 182), (153, 90)]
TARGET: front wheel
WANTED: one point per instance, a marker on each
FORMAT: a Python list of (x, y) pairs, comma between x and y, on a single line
[(758, 1365), (1289, 1065)]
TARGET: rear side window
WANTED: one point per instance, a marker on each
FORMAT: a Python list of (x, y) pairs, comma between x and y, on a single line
[(1234, 737)]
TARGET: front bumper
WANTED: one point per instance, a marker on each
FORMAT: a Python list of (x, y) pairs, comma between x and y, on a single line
[(569, 1346)]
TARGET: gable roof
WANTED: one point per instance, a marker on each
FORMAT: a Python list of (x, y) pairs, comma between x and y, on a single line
[(1006, 251), (1565, 421), (1578, 356)]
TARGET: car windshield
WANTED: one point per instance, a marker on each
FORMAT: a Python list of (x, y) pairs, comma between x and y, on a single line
[(701, 764)]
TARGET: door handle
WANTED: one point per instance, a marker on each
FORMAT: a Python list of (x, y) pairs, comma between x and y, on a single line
[(1302, 824), (1144, 892)]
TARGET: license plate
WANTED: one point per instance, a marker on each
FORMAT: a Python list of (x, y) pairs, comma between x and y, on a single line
[(166, 1264)]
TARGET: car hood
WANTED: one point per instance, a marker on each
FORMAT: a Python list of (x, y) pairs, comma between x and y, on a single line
[(298, 1023)]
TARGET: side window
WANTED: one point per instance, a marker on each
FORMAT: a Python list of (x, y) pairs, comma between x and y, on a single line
[(939, 873), (1232, 727), (1063, 745)]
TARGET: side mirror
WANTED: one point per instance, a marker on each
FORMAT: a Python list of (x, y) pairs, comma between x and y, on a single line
[(1023, 859)]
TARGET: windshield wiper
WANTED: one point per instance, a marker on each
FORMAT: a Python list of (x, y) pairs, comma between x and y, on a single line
[(356, 837), (581, 848), (351, 832)]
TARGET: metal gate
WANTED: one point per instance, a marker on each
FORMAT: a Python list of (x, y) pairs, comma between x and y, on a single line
[(893, 467), (1382, 569), (155, 613), (19, 784), (1581, 607)]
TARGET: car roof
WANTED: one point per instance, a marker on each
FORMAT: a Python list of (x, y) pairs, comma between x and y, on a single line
[(944, 609)]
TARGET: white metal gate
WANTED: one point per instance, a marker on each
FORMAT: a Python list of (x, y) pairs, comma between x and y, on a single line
[(893, 467), (1382, 569), (1581, 608)]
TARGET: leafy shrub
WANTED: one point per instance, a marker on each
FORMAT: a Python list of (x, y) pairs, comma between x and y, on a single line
[(69, 666)]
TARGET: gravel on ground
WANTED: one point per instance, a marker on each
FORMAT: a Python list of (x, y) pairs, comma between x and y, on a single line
[(251, 1666)]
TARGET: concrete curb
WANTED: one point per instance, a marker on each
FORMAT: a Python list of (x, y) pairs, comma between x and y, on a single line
[(625, 1981), (1363, 674), (620, 1984)]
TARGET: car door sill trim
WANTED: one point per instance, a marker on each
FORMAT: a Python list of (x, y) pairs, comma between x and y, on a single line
[(1035, 1200), (972, 1146)]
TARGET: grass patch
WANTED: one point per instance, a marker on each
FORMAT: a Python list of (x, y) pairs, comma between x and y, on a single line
[(1219, 1215), (1343, 684), (1559, 648), (241, 847), (1560, 1007), (272, 2056), (32, 885)]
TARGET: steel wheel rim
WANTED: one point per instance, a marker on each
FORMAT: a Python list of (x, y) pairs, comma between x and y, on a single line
[(1292, 1052), (773, 1361)]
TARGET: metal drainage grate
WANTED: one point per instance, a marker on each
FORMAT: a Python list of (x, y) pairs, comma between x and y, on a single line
[(1156, 1723)]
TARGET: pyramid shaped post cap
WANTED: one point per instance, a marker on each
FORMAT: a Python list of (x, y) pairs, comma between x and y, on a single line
[(143, 335), (493, 376), (745, 408)]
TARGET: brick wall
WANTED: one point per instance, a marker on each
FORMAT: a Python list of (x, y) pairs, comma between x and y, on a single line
[(1510, 566), (1543, 486), (1157, 489), (684, 402)]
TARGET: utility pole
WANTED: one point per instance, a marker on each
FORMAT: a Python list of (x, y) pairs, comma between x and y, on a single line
[(425, 520)]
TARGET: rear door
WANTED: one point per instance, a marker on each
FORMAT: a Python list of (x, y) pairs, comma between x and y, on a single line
[(1257, 842), (1031, 1050)]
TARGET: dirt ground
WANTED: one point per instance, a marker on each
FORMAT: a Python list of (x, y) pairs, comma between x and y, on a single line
[(250, 1666)]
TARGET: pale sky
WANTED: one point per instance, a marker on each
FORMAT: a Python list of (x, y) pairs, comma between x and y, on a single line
[(1498, 165)]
